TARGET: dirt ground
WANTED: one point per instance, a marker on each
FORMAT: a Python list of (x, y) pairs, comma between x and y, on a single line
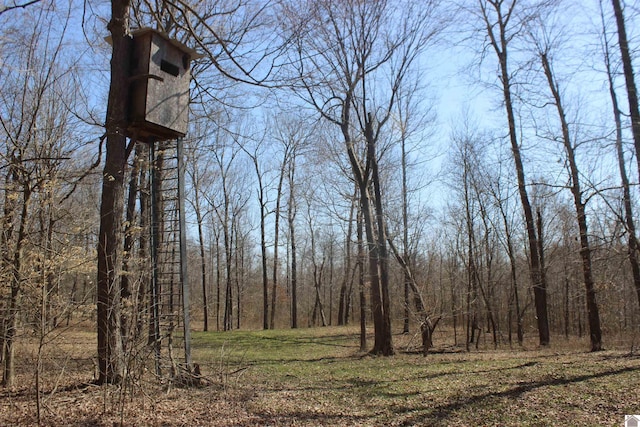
[(336, 388)]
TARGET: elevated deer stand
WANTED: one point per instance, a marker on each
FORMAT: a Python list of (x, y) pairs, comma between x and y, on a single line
[(158, 114)]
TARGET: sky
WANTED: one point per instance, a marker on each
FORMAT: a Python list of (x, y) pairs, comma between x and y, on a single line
[(455, 85)]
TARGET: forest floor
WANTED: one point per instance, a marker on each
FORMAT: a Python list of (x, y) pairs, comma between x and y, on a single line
[(317, 377)]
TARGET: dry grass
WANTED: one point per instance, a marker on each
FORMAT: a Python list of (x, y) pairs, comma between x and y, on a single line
[(317, 377)]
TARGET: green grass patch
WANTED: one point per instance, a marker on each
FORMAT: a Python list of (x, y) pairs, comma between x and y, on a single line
[(318, 377)]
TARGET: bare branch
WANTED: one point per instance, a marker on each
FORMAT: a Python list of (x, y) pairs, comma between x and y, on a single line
[(8, 8)]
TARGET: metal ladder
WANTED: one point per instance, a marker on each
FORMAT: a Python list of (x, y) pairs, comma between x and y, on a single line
[(169, 285)]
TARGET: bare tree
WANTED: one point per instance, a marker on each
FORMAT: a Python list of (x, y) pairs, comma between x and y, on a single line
[(110, 351), (227, 210), (516, 306), (344, 301), (34, 128), (629, 77), (544, 51), (411, 126), (503, 21), (130, 235), (262, 201), (224, 48), (201, 173), (292, 136), (361, 281), (628, 220), (355, 44), (292, 209), (318, 267)]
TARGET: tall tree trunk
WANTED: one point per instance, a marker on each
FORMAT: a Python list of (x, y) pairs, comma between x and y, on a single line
[(110, 353), (378, 273), (7, 246), (331, 269), (566, 302), (374, 274), (513, 274), (196, 182), (228, 250), (632, 240), (539, 286), (499, 43), (384, 343), (343, 306), (218, 279), (318, 306), (405, 233), (203, 261), (291, 215), (129, 239), (48, 317), (487, 290), (156, 161), (472, 299), (227, 219), (276, 238), (454, 300), (16, 290), (472, 267), (263, 240), (143, 292), (595, 331), (239, 271), (263, 255), (541, 251), (361, 282), (629, 77), (130, 212)]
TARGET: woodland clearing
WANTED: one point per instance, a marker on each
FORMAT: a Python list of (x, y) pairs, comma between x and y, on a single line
[(317, 377)]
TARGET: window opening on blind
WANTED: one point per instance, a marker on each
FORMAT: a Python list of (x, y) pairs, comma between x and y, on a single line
[(169, 68)]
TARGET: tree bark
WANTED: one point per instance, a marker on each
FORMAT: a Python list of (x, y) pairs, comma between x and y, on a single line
[(203, 262), (629, 77), (291, 215), (218, 278), (318, 270), (127, 250), (595, 331), (383, 344), (343, 302), (16, 290), (513, 274), (276, 239), (405, 232), (382, 339), (361, 282), (239, 270), (228, 250), (263, 244), (143, 250), (632, 240), (110, 355), (500, 43)]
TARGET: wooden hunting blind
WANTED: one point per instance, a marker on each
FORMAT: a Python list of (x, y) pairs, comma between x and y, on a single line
[(159, 85), (158, 113)]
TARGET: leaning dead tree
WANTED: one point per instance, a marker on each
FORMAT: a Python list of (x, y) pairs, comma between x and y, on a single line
[(427, 322)]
